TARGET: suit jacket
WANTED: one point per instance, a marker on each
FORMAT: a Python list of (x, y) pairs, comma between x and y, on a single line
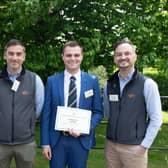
[(55, 97)]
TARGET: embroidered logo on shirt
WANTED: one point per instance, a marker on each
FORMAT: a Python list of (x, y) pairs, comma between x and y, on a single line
[(25, 93), (131, 95)]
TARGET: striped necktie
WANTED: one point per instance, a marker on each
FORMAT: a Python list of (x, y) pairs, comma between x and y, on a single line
[(72, 95)]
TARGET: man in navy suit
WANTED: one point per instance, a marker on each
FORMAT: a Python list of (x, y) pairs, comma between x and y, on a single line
[(69, 148)]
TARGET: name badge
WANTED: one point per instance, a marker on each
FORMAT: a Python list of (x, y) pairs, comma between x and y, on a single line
[(88, 93), (113, 98), (15, 85)]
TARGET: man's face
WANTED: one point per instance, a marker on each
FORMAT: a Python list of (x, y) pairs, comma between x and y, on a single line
[(125, 56), (72, 58), (14, 56)]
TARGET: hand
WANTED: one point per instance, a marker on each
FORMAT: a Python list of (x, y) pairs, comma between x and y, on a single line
[(74, 133), (46, 152)]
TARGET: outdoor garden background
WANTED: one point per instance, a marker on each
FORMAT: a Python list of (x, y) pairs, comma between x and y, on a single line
[(45, 25)]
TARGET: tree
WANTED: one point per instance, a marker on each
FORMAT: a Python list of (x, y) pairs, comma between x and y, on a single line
[(45, 25)]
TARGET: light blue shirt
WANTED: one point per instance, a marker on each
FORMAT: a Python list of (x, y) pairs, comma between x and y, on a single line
[(39, 92), (153, 107)]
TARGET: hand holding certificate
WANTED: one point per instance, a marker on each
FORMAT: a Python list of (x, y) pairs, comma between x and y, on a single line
[(73, 118)]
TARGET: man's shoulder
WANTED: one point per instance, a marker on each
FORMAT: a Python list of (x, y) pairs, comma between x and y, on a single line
[(30, 72), (56, 76), (149, 81), (88, 75), (144, 77)]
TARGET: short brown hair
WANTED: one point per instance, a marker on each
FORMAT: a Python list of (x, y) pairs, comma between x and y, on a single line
[(14, 42), (122, 41), (71, 44)]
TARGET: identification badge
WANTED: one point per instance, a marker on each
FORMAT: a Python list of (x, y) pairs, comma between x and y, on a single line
[(113, 98), (88, 93), (15, 85)]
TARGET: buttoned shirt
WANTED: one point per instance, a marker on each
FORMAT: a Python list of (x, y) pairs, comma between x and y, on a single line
[(123, 82)]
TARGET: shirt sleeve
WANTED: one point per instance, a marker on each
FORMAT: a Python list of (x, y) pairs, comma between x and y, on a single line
[(153, 107), (39, 96)]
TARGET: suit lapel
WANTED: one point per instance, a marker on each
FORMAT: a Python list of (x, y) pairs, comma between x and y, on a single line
[(61, 88), (83, 88)]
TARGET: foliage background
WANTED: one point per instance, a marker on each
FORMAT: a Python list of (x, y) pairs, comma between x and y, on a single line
[(44, 25)]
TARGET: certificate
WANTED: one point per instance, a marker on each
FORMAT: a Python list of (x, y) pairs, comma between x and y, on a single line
[(73, 118)]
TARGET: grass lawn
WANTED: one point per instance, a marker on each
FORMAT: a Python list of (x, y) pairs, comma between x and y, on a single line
[(157, 159), (158, 156)]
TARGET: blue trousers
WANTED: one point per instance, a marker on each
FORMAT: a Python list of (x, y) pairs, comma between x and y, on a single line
[(69, 152)]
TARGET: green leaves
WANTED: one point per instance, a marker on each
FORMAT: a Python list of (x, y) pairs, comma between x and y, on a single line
[(44, 25)]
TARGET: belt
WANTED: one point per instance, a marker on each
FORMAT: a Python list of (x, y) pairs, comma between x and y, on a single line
[(65, 133)]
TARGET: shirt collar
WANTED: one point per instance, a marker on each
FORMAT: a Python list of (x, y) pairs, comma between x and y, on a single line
[(12, 75), (128, 77), (68, 75)]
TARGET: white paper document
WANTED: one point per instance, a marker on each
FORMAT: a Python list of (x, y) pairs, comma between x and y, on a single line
[(73, 118)]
